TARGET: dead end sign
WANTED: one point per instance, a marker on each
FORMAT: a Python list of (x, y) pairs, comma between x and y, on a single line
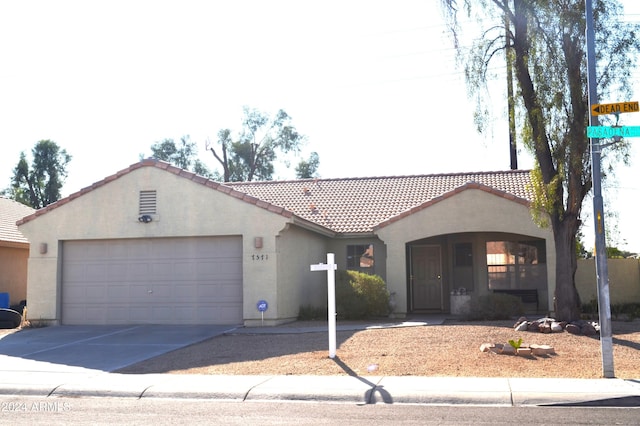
[(615, 108)]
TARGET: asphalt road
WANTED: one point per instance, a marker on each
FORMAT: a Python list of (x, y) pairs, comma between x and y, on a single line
[(115, 411)]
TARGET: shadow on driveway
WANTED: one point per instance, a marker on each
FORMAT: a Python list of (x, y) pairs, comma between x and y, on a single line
[(105, 348)]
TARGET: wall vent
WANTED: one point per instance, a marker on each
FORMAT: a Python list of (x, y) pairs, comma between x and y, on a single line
[(147, 202)]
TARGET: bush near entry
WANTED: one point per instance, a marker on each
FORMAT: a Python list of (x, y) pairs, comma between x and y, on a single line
[(360, 295), (495, 306)]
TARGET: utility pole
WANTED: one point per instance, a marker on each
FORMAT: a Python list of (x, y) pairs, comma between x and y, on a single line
[(513, 152), (602, 273)]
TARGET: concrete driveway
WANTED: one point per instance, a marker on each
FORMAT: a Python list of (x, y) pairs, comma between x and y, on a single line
[(105, 348)]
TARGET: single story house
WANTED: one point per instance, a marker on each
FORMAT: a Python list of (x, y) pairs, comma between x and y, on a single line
[(157, 244), (14, 251)]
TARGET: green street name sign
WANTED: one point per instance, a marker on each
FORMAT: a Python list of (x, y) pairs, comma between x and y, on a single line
[(609, 132)]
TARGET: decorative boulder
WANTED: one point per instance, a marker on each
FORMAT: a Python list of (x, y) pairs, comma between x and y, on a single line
[(520, 321), (541, 349), (487, 347), (573, 329), (533, 326), (524, 351), (556, 327), (588, 330), (508, 350), (545, 327)]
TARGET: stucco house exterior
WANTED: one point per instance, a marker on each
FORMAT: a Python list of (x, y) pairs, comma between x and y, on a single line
[(157, 244), (14, 251)]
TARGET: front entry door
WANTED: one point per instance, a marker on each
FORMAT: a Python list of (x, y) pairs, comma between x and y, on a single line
[(426, 278)]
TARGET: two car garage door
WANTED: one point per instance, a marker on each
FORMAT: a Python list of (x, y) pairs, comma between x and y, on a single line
[(152, 281)]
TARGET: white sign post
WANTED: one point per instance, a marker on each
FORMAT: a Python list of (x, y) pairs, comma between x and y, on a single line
[(330, 267)]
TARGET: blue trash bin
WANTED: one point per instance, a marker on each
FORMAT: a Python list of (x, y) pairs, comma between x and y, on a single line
[(4, 300)]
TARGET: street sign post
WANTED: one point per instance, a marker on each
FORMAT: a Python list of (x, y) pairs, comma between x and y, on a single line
[(602, 132), (616, 108)]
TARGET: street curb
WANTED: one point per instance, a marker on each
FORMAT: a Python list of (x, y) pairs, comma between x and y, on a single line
[(341, 389)]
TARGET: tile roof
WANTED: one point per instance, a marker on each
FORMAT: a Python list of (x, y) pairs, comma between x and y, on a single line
[(357, 205), (10, 212), (350, 205)]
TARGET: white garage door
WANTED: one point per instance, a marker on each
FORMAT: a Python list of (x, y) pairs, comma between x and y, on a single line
[(152, 281)]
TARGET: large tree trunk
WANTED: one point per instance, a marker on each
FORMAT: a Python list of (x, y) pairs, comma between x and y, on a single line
[(566, 298), (564, 219)]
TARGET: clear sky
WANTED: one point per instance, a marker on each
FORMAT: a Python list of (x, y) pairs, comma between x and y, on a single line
[(373, 84)]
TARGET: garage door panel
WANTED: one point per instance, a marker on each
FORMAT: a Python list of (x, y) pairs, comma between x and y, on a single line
[(116, 272), (225, 292), (163, 281), (83, 272), (118, 292), (138, 270)]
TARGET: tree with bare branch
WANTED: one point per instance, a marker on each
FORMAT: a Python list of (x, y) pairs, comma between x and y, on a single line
[(251, 156), (547, 41)]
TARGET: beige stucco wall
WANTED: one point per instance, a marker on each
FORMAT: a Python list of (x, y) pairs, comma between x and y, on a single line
[(624, 280), (13, 275), (297, 286), (184, 208), (469, 211)]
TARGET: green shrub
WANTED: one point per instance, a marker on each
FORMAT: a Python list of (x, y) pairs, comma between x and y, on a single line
[(590, 307), (619, 311), (360, 295), (495, 306), (312, 313)]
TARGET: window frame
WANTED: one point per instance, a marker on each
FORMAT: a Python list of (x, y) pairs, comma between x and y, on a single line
[(354, 255)]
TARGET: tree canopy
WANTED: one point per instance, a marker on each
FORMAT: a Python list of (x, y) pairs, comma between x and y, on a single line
[(38, 184), (251, 155), (307, 169), (183, 155), (545, 42)]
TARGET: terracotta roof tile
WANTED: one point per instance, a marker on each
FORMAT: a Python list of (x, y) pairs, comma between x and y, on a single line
[(10, 212), (357, 205)]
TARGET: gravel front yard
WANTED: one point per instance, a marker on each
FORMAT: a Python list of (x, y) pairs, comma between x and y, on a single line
[(450, 349)]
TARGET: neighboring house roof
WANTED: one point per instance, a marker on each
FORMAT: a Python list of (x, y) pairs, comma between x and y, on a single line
[(10, 212), (350, 205)]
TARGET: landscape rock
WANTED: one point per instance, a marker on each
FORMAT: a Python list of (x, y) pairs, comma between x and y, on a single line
[(545, 327), (550, 325), (487, 347), (588, 330), (573, 329), (508, 350), (524, 351), (539, 350), (520, 321), (556, 327)]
